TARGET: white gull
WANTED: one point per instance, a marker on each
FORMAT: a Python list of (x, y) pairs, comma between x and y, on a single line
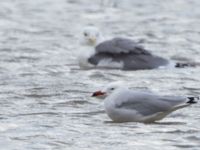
[(125, 105)]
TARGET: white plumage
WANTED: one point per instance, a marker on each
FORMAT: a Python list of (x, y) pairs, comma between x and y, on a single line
[(125, 105)]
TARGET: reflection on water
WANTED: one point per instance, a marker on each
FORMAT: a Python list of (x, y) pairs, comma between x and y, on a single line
[(45, 97)]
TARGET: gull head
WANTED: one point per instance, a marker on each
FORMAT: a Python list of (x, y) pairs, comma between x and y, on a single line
[(91, 36), (109, 89)]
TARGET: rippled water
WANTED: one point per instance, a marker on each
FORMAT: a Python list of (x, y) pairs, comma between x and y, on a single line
[(45, 98)]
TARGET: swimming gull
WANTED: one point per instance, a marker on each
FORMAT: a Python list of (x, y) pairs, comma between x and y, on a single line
[(125, 105), (117, 53)]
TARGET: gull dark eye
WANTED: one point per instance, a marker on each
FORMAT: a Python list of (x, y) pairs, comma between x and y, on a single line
[(85, 34), (112, 88)]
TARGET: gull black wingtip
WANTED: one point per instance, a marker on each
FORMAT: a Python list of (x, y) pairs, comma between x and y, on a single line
[(185, 65), (192, 100)]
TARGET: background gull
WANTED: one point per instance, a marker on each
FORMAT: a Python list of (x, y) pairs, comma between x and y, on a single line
[(125, 105), (43, 94), (118, 53)]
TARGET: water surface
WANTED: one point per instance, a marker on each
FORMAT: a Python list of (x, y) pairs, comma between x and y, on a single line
[(45, 98)]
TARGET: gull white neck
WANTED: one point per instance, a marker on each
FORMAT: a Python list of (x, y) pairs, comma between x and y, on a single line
[(85, 53)]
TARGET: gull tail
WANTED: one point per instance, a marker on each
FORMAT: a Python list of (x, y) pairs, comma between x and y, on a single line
[(192, 100), (186, 64)]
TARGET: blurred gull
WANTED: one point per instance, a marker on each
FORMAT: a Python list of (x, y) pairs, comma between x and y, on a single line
[(125, 105), (117, 53), (112, 3)]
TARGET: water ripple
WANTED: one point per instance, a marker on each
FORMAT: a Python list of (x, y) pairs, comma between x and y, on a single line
[(45, 96)]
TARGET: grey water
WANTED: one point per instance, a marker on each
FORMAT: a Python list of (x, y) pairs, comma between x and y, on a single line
[(45, 98)]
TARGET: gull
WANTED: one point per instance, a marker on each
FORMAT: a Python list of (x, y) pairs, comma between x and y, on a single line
[(117, 53), (125, 105)]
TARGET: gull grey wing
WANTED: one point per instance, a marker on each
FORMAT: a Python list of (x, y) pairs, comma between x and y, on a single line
[(130, 61), (148, 104), (121, 45), (135, 62)]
